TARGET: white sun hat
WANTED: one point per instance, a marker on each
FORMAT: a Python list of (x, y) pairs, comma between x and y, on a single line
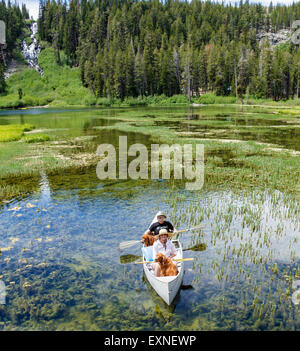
[(163, 232), (160, 213)]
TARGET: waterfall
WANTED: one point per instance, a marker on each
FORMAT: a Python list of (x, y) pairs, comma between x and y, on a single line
[(32, 51)]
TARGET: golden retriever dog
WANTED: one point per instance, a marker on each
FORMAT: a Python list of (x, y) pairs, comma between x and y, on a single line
[(167, 267), (148, 239)]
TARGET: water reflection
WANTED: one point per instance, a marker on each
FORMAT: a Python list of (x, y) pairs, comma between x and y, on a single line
[(45, 191)]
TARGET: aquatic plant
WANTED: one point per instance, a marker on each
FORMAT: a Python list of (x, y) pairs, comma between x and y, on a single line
[(36, 138)]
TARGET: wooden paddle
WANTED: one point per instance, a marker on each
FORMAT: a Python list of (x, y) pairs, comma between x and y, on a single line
[(176, 259), (125, 259), (127, 244)]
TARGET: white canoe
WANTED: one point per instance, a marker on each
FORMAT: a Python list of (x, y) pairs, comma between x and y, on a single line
[(166, 287)]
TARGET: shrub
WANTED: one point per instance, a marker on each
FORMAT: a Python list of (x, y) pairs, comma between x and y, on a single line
[(211, 98), (73, 100), (178, 99), (29, 101), (43, 100), (17, 55), (103, 102), (27, 127), (10, 101), (226, 99), (163, 100), (208, 98), (134, 102), (90, 100)]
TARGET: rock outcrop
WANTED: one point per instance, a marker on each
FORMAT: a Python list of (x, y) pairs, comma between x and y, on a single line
[(280, 37)]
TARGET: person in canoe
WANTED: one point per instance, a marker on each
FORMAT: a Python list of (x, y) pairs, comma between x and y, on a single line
[(150, 235), (163, 246), (160, 224)]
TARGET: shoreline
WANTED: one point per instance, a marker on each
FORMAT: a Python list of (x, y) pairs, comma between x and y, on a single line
[(192, 105), (28, 107), (154, 101), (44, 106)]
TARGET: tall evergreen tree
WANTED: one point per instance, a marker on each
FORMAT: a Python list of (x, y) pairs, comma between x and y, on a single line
[(129, 48)]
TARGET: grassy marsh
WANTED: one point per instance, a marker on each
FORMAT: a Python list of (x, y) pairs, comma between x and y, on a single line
[(267, 156), (59, 245)]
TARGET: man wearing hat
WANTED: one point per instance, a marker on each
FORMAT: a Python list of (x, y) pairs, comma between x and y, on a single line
[(160, 224), (163, 245)]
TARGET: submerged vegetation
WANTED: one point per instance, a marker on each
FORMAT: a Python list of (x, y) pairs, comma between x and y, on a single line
[(59, 277), (36, 138), (250, 147)]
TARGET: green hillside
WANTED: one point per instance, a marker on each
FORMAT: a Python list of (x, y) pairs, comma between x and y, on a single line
[(60, 85)]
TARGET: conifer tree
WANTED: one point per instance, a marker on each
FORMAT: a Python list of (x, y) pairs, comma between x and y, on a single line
[(130, 48), (140, 73)]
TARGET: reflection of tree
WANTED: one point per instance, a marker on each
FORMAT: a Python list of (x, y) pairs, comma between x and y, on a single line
[(97, 122), (189, 117), (88, 125)]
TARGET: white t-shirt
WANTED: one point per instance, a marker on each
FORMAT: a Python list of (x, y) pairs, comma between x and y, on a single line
[(158, 247)]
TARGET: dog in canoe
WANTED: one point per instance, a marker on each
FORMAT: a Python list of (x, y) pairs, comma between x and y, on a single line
[(167, 267), (148, 239)]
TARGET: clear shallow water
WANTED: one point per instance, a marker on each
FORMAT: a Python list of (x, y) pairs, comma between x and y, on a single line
[(64, 270), (61, 263), (238, 126)]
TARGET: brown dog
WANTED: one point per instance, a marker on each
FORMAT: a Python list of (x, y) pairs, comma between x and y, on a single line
[(167, 267), (148, 239)]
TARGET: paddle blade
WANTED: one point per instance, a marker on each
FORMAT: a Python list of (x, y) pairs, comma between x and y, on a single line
[(198, 247), (124, 259), (127, 244)]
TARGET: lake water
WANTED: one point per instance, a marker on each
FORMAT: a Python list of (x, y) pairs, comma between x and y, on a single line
[(63, 269)]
